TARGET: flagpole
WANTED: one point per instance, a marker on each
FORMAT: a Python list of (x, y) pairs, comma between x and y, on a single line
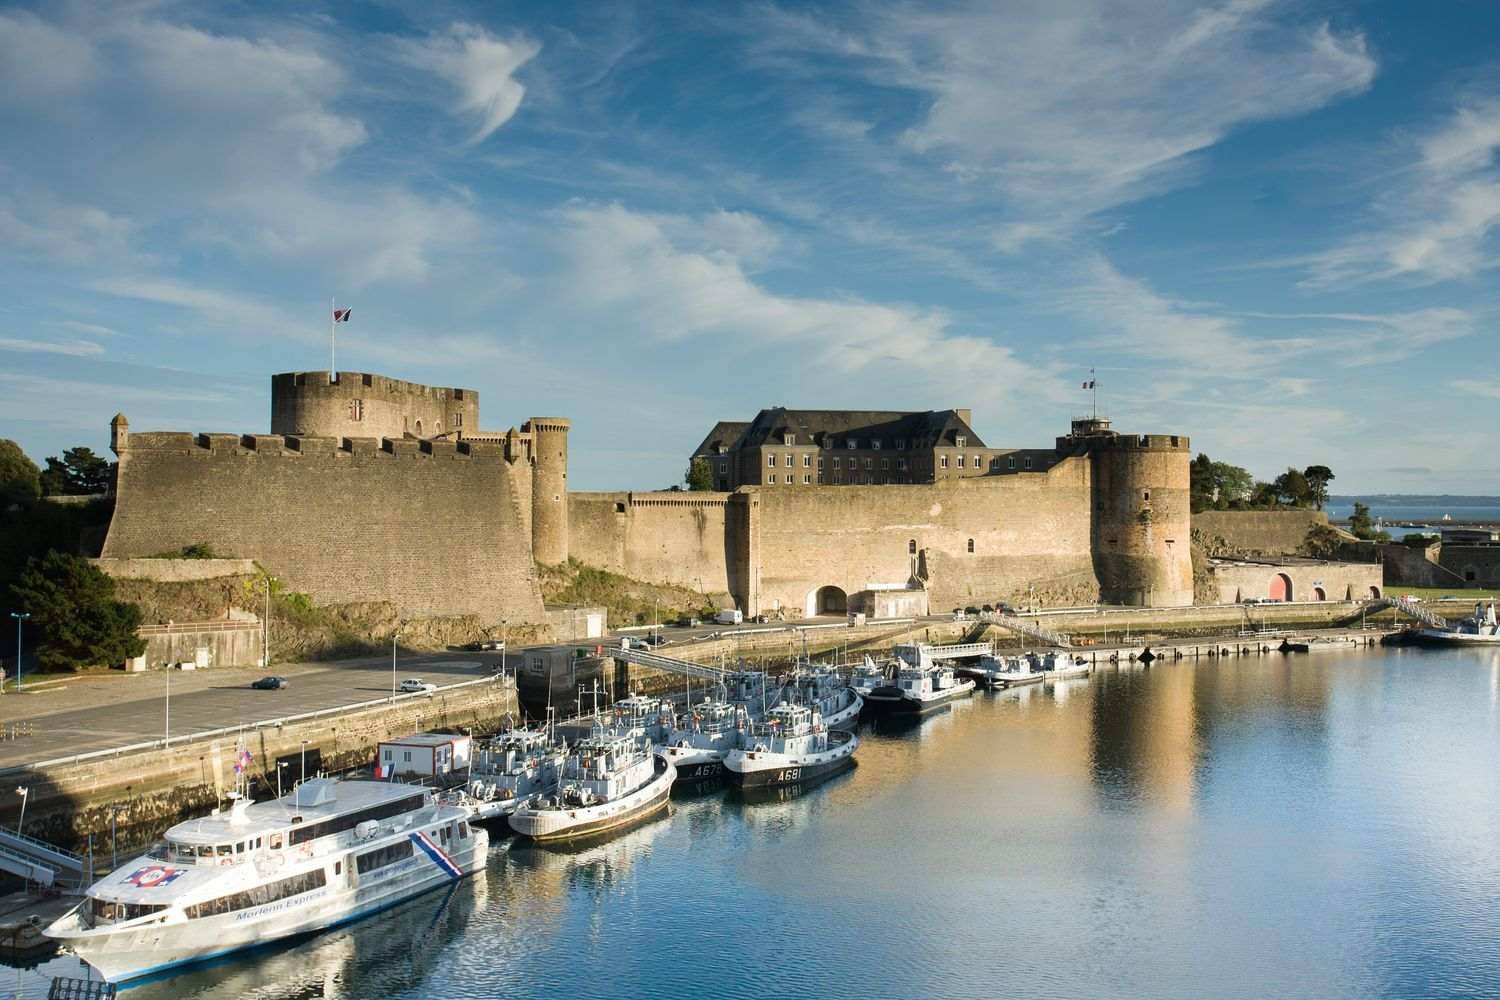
[(333, 365), (1094, 392)]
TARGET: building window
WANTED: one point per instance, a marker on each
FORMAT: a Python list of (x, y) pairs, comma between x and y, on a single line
[(977, 463), (770, 461), (838, 477), (869, 463), (901, 464), (723, 485), (1028, 461), (853, 443), (885, 463), (807, 461), (788, 461), (911, 547), (806, 479), (789, 440), (875, 444), (458, 418), (943, 461), (960, 461), (1010, 462), (1145, 494), (901, 444), (971, 546), (820, 463), (723, 468), (961, 441), (356, 409), (836, 462)]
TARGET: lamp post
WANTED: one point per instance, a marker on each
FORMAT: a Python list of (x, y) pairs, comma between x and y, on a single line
[(167, 734), (21, 791), (302, 773), (504, 643), (394, 636), (265, 627), (20, 617), (280, 764)]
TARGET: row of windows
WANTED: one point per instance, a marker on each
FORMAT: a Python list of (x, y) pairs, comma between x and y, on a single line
[(771, 462), (911, 546), (962, 461), (104, 909), (383, 857), (260, 895), (357, 412), (348, 821)]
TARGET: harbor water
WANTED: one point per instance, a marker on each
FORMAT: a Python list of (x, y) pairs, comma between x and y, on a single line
[(1321, 825)]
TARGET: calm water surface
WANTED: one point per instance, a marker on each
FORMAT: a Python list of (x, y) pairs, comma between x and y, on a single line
[(1319, 826)]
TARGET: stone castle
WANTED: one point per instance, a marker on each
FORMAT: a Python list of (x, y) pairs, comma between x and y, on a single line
[(370, 488)]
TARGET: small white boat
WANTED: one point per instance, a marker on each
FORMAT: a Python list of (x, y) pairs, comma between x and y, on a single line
[(610, 781), (918, 691), (1480, 629), (791, 747), (328, 853), (1007, 671)]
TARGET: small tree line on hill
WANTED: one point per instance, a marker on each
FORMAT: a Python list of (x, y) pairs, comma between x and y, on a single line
[(1221, 486)]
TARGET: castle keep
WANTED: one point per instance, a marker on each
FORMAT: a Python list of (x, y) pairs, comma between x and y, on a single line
[(370, 488)]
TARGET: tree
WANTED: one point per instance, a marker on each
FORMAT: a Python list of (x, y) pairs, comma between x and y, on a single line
[(700, 475), (78, 473), (1361, 525), (1292, 489), (1216, 485), (1322, 541), (20, 479), (1318, 477), (80, 622), (1263, 495)]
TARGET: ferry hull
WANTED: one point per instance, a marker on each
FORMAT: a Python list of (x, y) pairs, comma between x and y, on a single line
[(557, 825), (156, 949)]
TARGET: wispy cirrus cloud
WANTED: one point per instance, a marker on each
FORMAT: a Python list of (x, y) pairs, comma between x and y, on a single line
[(76, 348), (1489, 389), (1437, 218), (481, 66)]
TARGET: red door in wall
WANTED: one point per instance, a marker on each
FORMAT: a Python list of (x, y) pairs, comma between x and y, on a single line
[(1281, 588)]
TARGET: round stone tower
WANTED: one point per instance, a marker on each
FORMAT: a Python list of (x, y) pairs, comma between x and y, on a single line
[(362, 404), (549, 488), (1142, 518)]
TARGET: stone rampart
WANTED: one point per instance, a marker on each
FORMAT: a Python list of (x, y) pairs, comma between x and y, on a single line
[(176, 570), (1302, 579), (1406, 566), (1475, 565), (433, 526), (1256, 532), (671, 538)]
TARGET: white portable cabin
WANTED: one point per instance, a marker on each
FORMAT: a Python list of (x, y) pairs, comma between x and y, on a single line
[(426, 754)]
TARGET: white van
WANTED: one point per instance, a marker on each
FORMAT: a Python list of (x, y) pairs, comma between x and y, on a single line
[(730, 617)]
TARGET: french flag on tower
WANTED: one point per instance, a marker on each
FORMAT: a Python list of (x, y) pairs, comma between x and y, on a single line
[(341, 315)]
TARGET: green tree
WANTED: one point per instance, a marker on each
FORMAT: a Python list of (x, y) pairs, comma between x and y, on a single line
[(1322, 541), (1216, 485), (1318, 477), (80, 622), (700, 475), (78, 473), (1292, 489), (1361, 524), (20, 479), (1263, 496)]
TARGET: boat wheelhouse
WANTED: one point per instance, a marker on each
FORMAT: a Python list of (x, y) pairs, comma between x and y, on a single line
[(918, 691), (704, 733), (1480, 629), (511, 768), (609, 781), (867, 677), (329, 852), (791, 746), (826, 692)]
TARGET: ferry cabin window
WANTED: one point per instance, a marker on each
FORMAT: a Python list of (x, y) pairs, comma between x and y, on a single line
[(104, 909), (275, 841), (260, 895), (303, 834), (383, 857)]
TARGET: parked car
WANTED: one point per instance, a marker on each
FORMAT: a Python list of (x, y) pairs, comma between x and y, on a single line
[(271, 684), (412, 685), (493, 645), (654, 639)]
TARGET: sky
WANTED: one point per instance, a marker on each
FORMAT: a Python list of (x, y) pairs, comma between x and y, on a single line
[(1269, 226)]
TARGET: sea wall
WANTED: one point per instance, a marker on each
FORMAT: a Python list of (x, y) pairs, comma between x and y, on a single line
[(672, 538), (434, 526)]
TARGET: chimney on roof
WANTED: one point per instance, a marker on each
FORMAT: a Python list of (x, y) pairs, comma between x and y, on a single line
[(966, 415)]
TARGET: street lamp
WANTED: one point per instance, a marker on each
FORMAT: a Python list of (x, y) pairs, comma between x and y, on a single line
[(302, 773), (504, 643), (167, 734), (265, 626), (21, 791), (20, 617), (279, 765), (394, 636)]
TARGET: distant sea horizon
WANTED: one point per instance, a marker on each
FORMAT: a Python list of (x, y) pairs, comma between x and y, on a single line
[(1424, 507)]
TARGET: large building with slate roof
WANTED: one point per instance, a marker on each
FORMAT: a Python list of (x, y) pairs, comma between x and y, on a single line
[(783, 447)]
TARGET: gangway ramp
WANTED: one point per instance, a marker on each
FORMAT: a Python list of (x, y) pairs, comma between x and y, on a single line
[(916, 653), (644, 658), (1409, 608), (1024, 626), (43, 863)]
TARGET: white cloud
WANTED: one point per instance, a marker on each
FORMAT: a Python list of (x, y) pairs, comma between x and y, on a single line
[(1437, 217), (77, 348), (1070, 108), (40, 225), (481, 66), (39, 60), (1477, 387), (668, 279)]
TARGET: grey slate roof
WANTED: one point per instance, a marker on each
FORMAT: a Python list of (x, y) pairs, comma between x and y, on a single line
[(833, 428)]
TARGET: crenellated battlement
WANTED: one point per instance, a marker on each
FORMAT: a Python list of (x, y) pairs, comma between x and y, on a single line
[(304, 446)]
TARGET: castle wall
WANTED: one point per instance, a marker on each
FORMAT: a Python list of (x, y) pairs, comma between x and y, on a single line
[(433, 526), (549, 489), (1476, 565), (1257, 532), (1339, 581), (1030, 534), (681, 539), (359, 404), (1141, 542)]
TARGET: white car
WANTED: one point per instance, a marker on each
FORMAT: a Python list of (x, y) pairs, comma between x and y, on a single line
[(413, 685)]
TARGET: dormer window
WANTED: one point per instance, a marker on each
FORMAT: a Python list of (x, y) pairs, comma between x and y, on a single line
[(789, 439), (853, 443), (901, 444), (961, 441)]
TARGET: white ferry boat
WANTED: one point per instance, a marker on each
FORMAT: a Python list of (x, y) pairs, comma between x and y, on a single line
[(511, 768), (610, 780), (703, 735), (827, 693), (1481, 629), (328, 853), (791, 747), (918, 691)]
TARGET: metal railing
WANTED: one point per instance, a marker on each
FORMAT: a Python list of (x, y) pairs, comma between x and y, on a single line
[(1024, 627), (1410, 608), (248, 727)]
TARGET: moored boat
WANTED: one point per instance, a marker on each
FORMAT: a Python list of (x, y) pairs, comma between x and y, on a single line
[(791, 746), (1480, 629), (827, 693), (703, 735), (610, 780), (867, 678), (511, 768), (917, 691), (328, 853)]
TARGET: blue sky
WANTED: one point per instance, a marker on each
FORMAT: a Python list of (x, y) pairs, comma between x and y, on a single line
[(1270, 226)]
